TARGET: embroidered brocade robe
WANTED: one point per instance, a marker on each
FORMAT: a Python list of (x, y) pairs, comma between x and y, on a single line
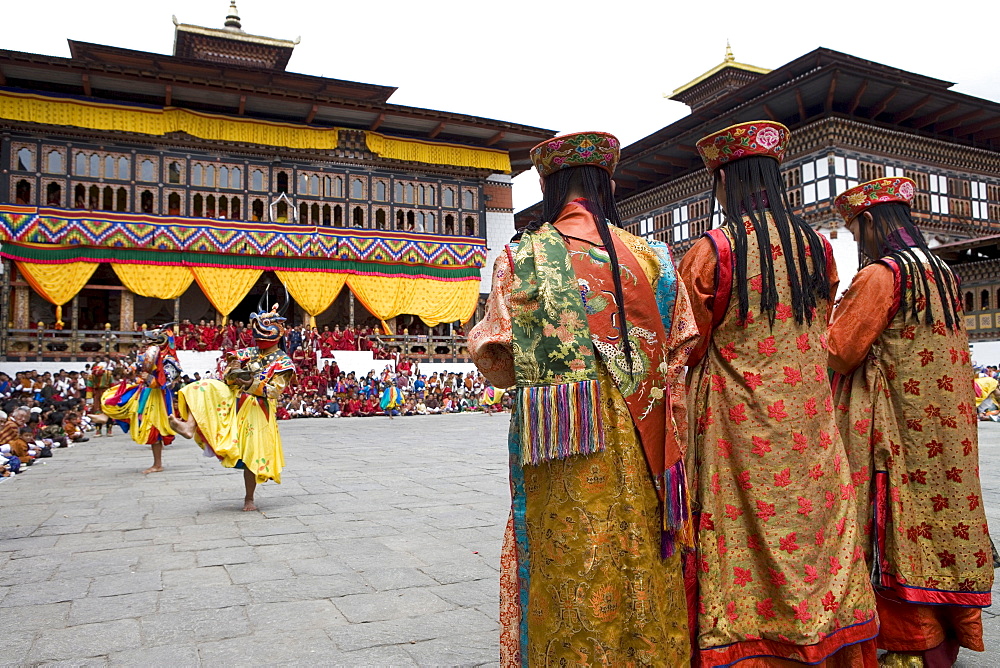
[(906, 407), (582, 578), (779, 568)]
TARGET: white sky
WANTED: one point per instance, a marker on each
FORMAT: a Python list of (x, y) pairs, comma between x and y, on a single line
[(561, 65)]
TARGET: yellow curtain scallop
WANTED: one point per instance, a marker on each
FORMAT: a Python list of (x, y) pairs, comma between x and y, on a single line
[(433, 301), (384, 296), (57, 283), (314, 291), (225, 287), (443, 301), (159, 282)]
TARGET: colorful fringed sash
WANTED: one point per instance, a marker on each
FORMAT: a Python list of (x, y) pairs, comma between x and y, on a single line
[(557, 392)]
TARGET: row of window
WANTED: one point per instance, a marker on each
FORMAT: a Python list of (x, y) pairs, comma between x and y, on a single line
[(985, 303), (821, 180), (210, 175), (209, 205)]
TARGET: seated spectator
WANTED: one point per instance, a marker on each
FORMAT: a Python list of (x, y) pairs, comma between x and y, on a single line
[(23, 446), (73, 429), (332, 408)]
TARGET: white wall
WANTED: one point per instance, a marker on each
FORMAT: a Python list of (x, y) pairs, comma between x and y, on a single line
[(499, 230), (845, 253)]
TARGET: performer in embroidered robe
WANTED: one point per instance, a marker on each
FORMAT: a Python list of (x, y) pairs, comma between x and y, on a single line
[(143, 409), (235, 419), (779, 572), (594, 328), (906, 408)]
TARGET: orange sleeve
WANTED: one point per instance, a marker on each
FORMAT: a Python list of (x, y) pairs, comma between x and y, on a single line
[(697, 271), (860, 318)]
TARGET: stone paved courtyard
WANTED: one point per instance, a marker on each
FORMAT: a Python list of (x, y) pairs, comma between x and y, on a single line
[(381, 547)]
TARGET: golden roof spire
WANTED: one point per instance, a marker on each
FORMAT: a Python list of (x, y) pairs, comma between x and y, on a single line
[(730, 58), (233, 17)]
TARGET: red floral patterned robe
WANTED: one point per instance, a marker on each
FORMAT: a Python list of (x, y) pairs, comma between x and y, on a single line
[(907, 412), (779, 567)]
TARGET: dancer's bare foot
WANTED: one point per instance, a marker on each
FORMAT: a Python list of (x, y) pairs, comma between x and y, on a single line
[(185, 428), (152, 469), (248, 505)]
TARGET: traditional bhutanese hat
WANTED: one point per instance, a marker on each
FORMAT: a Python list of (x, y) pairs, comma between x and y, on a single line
[(598, 149), (743, 140), (855, 200)]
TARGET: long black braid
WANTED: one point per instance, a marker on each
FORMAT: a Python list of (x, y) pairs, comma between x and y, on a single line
[(593, 185), (754, 186), (894, 235)]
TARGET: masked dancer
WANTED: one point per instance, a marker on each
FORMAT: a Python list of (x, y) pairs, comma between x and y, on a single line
[(143, 409), (235, 419)]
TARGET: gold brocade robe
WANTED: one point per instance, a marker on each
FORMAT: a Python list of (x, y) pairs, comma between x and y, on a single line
[(581, 565)]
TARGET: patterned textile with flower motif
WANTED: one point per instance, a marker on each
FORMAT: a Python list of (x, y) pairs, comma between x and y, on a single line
[(908, 416), (779, 566), (604, 593)]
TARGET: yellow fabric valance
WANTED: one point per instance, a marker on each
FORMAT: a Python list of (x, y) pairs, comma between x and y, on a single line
[(312, 290), (156, 281), (57, 283), (433, 301), (92, 115), (225, 287), (415, 150)]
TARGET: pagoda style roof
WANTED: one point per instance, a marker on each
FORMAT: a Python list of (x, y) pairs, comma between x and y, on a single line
[(821, 84), (722, 79), (244, 90), (231, 45), (969, 250)]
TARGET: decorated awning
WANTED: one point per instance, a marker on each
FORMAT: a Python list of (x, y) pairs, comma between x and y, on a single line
[(433, 277), (53, 109)]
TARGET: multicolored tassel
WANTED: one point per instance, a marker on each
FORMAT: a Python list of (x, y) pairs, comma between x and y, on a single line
[(558, 421), (677, 525)]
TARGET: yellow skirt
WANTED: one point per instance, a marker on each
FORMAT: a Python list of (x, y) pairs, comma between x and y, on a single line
[(146, 426), (234, 427)]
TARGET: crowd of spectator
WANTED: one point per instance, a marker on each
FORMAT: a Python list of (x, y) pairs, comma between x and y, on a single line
[(330, 392), (42, 411)]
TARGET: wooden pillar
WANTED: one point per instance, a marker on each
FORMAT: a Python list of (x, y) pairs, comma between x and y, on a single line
[(21, 298), (127, 311), (350, 306), (177, 313), (5, 297), (74, 325)]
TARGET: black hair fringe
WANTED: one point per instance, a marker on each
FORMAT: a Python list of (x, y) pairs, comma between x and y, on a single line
[(887, 220), (753, 188), (593, 184)]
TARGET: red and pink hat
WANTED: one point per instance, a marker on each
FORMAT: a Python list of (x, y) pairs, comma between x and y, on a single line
[(854, 201)]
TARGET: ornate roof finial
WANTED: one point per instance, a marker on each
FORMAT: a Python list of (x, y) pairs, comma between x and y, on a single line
[(233, 18), (730, 58)]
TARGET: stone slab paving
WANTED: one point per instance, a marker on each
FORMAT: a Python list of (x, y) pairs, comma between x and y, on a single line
[(381, 547)]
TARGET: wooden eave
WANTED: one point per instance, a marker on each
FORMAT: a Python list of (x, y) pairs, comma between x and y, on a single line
[(969, 250), (823, 83), (156, 79)]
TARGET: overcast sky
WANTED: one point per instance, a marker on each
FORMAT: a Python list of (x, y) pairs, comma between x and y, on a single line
[(560, 65)]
